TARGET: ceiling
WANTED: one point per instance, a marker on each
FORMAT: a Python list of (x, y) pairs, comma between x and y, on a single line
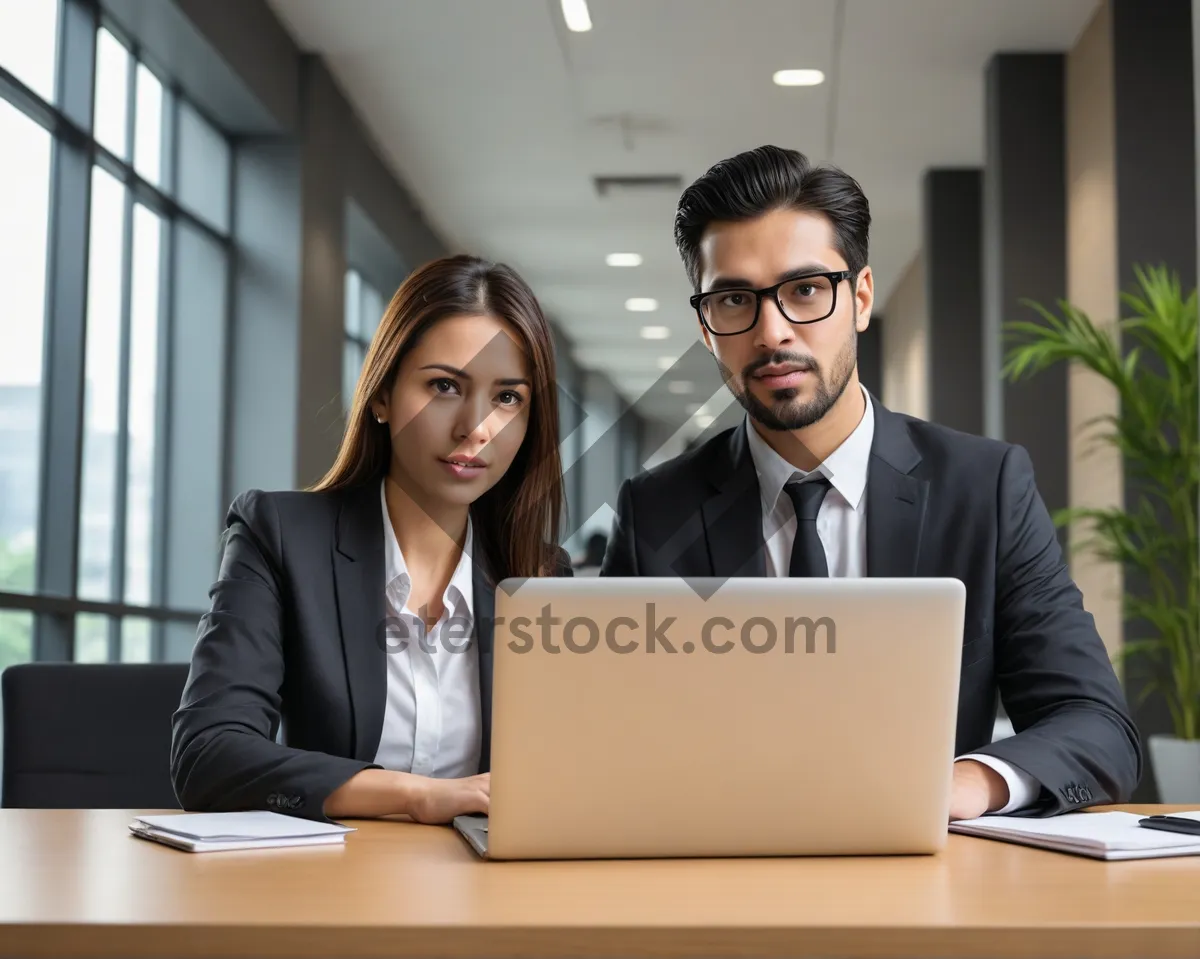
[(498, 119)]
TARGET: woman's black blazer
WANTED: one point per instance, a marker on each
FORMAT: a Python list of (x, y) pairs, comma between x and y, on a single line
[(284, 701)]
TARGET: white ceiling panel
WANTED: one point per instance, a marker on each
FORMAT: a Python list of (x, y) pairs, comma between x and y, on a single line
[(498, 119)]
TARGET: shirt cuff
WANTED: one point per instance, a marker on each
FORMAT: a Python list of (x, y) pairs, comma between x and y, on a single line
[(1023, 789)]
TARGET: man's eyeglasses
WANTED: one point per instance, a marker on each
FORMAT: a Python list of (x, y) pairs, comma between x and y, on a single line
[(801, 299)]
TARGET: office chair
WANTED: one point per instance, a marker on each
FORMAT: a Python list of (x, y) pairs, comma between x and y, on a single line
[(89, 736)]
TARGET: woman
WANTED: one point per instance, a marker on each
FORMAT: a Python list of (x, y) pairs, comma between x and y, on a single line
[(360, 612)]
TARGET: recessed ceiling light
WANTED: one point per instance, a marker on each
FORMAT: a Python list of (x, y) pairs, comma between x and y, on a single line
[(623, 259), (655, 332), (704, 421), (666, 362), (680, 387), (641, 304), (575, 12), (798, 78)]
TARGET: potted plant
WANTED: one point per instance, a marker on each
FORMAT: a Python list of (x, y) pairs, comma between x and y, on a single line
[(1150, 358)]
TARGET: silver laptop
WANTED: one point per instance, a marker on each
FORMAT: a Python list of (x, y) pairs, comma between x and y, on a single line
[(640, 717)]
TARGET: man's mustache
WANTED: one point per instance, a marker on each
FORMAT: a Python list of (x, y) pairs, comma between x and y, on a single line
[(806, 363)]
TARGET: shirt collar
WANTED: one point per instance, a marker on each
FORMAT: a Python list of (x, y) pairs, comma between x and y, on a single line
[(459, 597), (845, 468)]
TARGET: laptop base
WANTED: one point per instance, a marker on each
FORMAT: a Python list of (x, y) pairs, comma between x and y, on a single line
[(474, 829)]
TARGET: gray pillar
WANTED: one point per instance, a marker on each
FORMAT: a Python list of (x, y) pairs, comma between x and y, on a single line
[(953, 239), (1156, 208), (1156, 146), (1025, 253), (323, 271)]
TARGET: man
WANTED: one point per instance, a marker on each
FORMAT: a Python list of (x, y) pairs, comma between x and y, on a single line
[(820, 479)]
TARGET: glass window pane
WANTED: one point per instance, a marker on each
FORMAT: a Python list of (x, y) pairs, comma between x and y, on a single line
[(101, 387), (29, 43), (350, 369), (112, 93), (143, 404), (25, 200), (135, 640), (91, 638), (178, 642), (16, 637), (353, 299), (196, 384), (372, 311), (204, 169), (148, 126)]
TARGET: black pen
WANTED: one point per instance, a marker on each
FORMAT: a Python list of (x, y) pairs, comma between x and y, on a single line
[(1190, 827)]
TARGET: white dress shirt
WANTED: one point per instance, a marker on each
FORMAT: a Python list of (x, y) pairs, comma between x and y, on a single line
[(842, 528), (432, 724)]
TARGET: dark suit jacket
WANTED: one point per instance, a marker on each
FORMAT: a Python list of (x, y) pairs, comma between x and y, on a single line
[(939, 503), (294, 636)]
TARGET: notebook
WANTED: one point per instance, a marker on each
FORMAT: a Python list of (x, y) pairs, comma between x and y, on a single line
[(1100, 835), (253, 829)]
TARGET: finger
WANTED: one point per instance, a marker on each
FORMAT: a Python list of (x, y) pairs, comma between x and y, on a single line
[(475, 802)]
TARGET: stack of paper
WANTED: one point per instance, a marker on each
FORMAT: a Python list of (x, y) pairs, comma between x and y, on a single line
[(254, 829), (1101, 835)]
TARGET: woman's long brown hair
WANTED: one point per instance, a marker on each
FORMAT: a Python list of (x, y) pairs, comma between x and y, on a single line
[(517, 521)]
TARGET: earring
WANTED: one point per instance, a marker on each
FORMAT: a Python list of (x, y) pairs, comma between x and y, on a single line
[(378, 418)]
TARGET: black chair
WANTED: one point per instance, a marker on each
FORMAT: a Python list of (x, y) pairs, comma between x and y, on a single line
[(89, 736)]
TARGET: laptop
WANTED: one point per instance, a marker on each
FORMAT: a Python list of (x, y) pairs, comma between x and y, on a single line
[(639, 717)]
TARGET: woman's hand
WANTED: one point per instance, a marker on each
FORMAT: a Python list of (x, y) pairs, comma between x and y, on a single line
[(440, 800), (374, 793)]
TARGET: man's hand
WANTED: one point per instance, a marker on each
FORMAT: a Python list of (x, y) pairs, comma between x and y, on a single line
[(976, 790)]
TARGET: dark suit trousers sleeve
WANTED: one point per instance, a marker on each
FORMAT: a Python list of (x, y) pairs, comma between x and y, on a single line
[(1073, 730), (223, 751)]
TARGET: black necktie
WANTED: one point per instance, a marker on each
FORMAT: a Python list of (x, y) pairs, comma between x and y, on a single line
[(808, 555)]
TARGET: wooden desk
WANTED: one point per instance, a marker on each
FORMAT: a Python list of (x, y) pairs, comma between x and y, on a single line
[(76, 883)]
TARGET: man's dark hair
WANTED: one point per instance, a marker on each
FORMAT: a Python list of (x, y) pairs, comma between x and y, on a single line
[(769, 178)]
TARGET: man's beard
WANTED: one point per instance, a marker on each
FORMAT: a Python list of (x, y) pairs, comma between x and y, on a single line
[(787, 412)]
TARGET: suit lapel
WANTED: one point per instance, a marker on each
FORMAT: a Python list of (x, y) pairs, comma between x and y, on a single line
[(484, 606), (358, 576), (733, 517), (896, 499)]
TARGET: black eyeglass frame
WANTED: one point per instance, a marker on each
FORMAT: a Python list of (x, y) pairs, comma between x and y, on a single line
[(835, 278)]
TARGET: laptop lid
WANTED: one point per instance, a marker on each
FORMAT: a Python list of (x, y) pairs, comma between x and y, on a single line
[(637, 717)]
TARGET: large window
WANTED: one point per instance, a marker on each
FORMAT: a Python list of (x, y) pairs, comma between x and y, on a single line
[(25, 200), (115, 212), (364, 310)]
